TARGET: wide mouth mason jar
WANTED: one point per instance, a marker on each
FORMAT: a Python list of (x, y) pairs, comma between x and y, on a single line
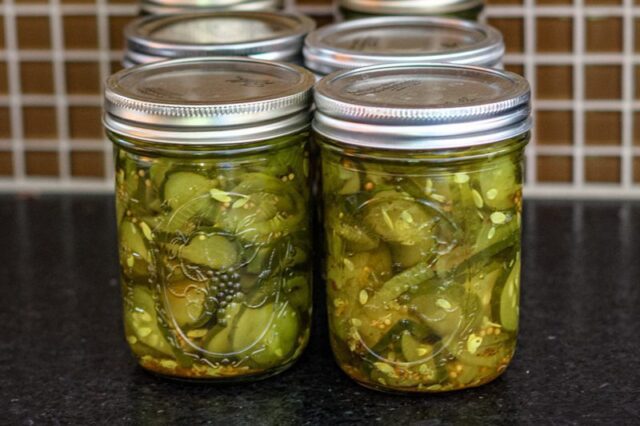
[(212, 203), (372, 41), (262, 35), (463, 9), (168, 7), (421, 184)]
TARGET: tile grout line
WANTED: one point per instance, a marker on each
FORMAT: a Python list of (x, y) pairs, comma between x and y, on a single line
[(289, 5), (43, 9), (57, 45), (578, 95), (543, 104), (87, 144), (70, 55), (102, 16), (626, 169), (491, 11), (510, 58), (559, 11), (530, 34), (13, 77)]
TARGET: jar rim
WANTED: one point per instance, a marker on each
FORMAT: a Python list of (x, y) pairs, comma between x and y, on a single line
[(228, 137), (322, 55)]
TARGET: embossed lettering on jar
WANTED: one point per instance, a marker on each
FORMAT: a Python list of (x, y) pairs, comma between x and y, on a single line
[(387, 40), (271, 36), (421, 184), (213, 219)]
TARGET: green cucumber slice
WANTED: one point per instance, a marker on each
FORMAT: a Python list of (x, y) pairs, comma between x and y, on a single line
[(412, 349), (498, 186), (281, 338), (219, 337), (356, 237), (397, 218), (250, 327), (181, 187), (508, 310), (143, 322), (440, 310), (135, 253), (186, 301), (214, 251), (297, 290)]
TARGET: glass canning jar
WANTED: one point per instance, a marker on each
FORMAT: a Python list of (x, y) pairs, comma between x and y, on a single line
[(213, 219), (272, 36), (463, 9), (381, 40), (170, 7), (421, 183)]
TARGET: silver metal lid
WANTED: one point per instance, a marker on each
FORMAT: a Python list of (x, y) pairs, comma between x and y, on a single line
[(421, 106), (410, 7), (263, 35), (161, 7), (207, 101), (371, 41)]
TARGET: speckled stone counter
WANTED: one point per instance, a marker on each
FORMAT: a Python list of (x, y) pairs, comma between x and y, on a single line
[(63, 359)]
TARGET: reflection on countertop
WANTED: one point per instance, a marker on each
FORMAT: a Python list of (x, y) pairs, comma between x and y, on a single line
[(63, 358)]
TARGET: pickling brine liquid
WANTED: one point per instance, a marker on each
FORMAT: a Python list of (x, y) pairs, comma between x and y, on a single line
[(423, 264), (215, 257)]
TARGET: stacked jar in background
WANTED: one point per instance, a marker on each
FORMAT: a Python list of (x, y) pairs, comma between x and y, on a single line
[(168, 7), (419, 138), (461, 9), (273, 36)]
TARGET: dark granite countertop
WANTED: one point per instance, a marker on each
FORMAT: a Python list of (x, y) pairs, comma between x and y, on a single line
[(63, 359)]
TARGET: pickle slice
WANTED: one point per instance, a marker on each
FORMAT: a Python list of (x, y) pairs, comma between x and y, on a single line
[(182, 187), (132, 241), (281, 338), (267, 335), (440, 310), (497, 185), (507, 308), (143, 322), (135, 255), (251, 327), (395, 218), (357, 238), (298, 292), (269, 210), (219, 340), (214, 251), (413, 350), (186, 301)]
